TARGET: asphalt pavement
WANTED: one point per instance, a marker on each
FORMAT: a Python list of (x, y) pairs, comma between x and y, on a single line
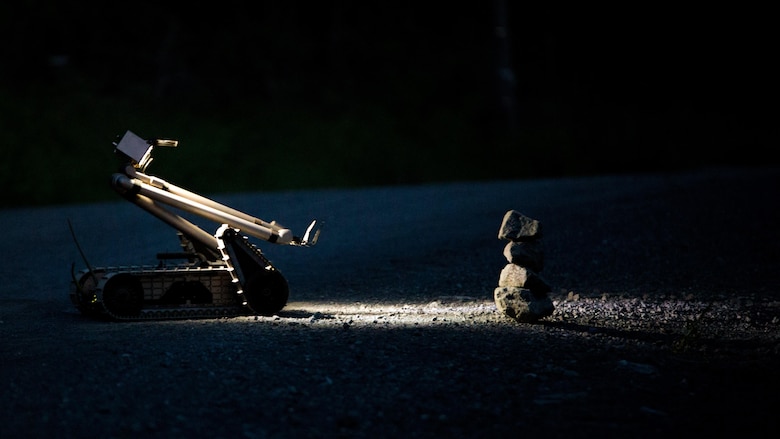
[(709, 234)]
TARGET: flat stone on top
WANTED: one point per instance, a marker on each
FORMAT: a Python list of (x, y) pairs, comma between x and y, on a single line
[(518, 227)]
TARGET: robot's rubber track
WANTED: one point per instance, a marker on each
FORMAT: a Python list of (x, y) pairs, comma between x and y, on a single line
[(135, 293), (185, 313), (138, 293), (261, 287)]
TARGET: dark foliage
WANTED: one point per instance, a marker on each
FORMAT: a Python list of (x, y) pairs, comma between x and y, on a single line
[(406, 92)]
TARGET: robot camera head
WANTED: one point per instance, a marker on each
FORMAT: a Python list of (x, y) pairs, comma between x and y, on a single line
[(139, 150)]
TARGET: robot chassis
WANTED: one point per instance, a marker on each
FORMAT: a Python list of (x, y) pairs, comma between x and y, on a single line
[(223, 275)]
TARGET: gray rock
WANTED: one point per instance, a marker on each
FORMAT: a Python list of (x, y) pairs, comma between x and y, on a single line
[(522, 304), (518, 227), (521, 277), (528, 254)]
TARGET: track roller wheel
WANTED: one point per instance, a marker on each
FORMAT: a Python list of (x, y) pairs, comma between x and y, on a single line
[(266, 292), (123, 295)]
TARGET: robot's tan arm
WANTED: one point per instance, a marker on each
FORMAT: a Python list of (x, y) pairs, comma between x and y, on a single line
[(134, 181)]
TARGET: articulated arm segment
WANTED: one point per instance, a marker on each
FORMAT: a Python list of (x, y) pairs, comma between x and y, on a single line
[(159, 183), (153, 192), (125, 184), (204, 243)]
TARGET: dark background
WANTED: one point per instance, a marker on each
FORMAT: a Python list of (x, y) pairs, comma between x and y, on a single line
[(285, 95)]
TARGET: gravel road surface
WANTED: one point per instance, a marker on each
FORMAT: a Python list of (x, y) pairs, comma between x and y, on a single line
[(666, 287)]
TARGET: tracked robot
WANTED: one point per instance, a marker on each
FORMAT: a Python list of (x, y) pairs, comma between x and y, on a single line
[(219, 275)]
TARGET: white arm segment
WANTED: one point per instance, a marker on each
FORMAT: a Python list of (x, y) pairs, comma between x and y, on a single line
[(209, 210)]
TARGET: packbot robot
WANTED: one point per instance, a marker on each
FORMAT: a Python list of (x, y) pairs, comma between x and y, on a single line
[(216, 275)]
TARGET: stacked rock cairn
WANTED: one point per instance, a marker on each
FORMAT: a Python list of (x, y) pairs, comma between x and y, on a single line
[(522, 292)]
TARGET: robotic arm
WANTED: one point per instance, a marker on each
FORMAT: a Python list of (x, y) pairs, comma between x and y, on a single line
[(151, 193)]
